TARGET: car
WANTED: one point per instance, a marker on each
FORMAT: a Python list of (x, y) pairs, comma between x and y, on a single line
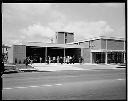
[(123, 65), (9, 68)]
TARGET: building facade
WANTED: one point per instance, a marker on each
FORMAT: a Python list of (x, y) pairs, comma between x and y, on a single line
[(35, 51), (17, 54), (104, 50), (64, 37), (96, 50)]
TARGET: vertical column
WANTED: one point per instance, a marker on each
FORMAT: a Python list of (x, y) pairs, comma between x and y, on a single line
[(124, 50), (64, 37), (106, 55), (45, 54), (64, 47), (64, 54), (90, 57)]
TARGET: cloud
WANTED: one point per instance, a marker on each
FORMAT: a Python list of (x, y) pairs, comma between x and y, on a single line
[(40, 21), (119, 33), (82, 30), (17, 13), (15, 42), (38, 32)]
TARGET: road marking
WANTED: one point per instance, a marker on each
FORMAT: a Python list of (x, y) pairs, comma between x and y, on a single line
[(33, 86), (58, 84), (120, 79), (20, 87), (7, 88), (47, 85)]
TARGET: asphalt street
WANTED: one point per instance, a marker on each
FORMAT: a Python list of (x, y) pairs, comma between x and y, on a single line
[(65, 85)]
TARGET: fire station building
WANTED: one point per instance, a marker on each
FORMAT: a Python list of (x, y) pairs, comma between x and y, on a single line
[(101, 49)]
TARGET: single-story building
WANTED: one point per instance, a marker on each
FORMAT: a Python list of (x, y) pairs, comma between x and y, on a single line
[(104, 50), (95, 50)]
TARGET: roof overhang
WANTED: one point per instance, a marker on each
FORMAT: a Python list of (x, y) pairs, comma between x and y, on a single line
[(103, 50), (39, 45)]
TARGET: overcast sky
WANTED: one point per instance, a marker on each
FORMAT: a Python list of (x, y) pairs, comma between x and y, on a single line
[(40, 21)]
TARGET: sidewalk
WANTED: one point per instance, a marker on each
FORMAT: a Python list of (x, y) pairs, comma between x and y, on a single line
[(54, 67), (23, 68), (98, 66), (58, 67), (76, 66)]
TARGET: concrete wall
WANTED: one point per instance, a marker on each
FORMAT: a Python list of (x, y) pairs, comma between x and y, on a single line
[(115, 45), (10, 55), (103, 44), (60, 38), (85, 53), (19, 53), (70, 38), (84, 44), (95, 44)]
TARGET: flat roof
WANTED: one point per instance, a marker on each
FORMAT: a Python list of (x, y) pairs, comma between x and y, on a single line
[(54, 45), (5, 46), (65, 32), (99, 37)]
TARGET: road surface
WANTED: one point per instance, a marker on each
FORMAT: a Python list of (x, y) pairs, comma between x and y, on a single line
[(65, 85)]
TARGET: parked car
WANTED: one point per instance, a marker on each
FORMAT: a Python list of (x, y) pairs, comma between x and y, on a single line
[(123, 65), (9, 68)]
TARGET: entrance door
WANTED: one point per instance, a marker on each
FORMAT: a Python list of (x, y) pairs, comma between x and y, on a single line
[(98, 57)]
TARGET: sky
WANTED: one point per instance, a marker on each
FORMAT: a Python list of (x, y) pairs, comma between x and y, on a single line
[(38, 22)]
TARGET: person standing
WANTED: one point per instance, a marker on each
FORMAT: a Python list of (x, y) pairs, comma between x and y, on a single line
[(70, 59), (49, 58), (54, 59), (40, 60), (67, 59), (61, 60), (26, 62), (57, 59)]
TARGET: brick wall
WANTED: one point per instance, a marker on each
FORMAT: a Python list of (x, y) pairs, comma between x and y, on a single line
[(10, 55), (85, 53), (84, 44), (70, 38), (96, 44), (60, 38), (103, 44), (19, 53), (115, 45)]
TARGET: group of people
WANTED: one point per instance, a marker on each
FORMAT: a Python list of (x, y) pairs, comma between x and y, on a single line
[(58, 59), (67, 59)]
